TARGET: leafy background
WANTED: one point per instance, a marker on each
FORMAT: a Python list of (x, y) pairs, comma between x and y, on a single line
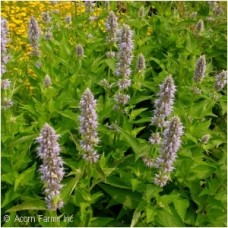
[(119, 189)]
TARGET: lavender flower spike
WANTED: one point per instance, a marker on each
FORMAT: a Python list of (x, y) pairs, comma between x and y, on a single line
[(111, 26), (200, 69), (79, 51), (170, 146), (164, 103), (200, 26), (88, 126), (4, 41), (140, 67), (125, 52), (221, 80), (52, 166), (34, 35), (5, 84)]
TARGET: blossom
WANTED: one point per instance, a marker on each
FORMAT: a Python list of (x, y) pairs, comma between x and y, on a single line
[(148, 162), (68, 19), (111, 27), (125, 52), (124, 83), (7, 103), (34, 35), (155, 138), (48, 34), (47, 81), (200, 69), (106, 84), (4, 41), (110, 54), (221, 79), (5, 84), (200, 26), (79, 51), (88, 126), (161, 179), (168, 152), (164, 103), (46, 17), (140, 66), (122, 99), (205, 139), (89, 6), (51, 168)]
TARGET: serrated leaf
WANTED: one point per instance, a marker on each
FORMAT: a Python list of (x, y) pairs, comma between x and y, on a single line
[(181, 206)]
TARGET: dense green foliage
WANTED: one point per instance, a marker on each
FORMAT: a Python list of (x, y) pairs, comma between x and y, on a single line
[(119, 190)]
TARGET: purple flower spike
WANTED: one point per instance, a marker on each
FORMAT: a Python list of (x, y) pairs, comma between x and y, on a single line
[(164, 103), (52, 166), (88, 126), (200, 69), (111, 26), (221, 80)]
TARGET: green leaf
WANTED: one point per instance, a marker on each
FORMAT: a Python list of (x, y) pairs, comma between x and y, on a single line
[(32, 205), (122, 196), (181, 206)]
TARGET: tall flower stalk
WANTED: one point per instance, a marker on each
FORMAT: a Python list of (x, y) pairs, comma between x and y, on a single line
[(164, 102), (221, 80), (34, 35), (171, 144), (52, 166), (200, 69), (88, 126), (111, 27), (4, 41)]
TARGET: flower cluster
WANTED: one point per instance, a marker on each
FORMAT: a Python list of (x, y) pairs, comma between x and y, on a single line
[(34, 35), (125, 52), (79, 51), (4, 41), (46, 17), (47, 81), (89, 5), (52, 166), (221, 79), (164, 103), (7, 103), (200, 26), (171, 144), (111, 27), (140, 66), (5, 84), (200, 69), (155, 138), (88, 126)]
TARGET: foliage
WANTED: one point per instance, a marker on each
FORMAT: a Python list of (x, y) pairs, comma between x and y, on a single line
[(119, 189)]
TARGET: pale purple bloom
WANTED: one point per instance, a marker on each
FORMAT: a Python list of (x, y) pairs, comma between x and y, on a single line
[(34, 35), (125, 52), (148, 162), (111, 27), (5, 84), (155, 138), (4, 40), (48, 34), (110, 54), (171, 144), (205, 139), (221, 80), (88, 126), (121, 99), (79, 51), (161, 179), (89, 5), (68, 19), (46, 17), (140, 66), (124, 83), (200, 69), (47, 81), (7, 103), (164, 103), (52, 166), (200, 26), (106, 84)]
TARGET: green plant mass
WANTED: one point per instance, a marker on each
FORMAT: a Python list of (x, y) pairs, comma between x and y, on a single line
[(113, 114)]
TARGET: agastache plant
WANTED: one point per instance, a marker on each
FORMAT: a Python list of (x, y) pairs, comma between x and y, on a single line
[(200, 69), (4, 41), (88, 127), (79, 51), (52, 166), (164, 102), (34, 35), (111, 27), (140, 66), (221, 80), (168, 152)]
